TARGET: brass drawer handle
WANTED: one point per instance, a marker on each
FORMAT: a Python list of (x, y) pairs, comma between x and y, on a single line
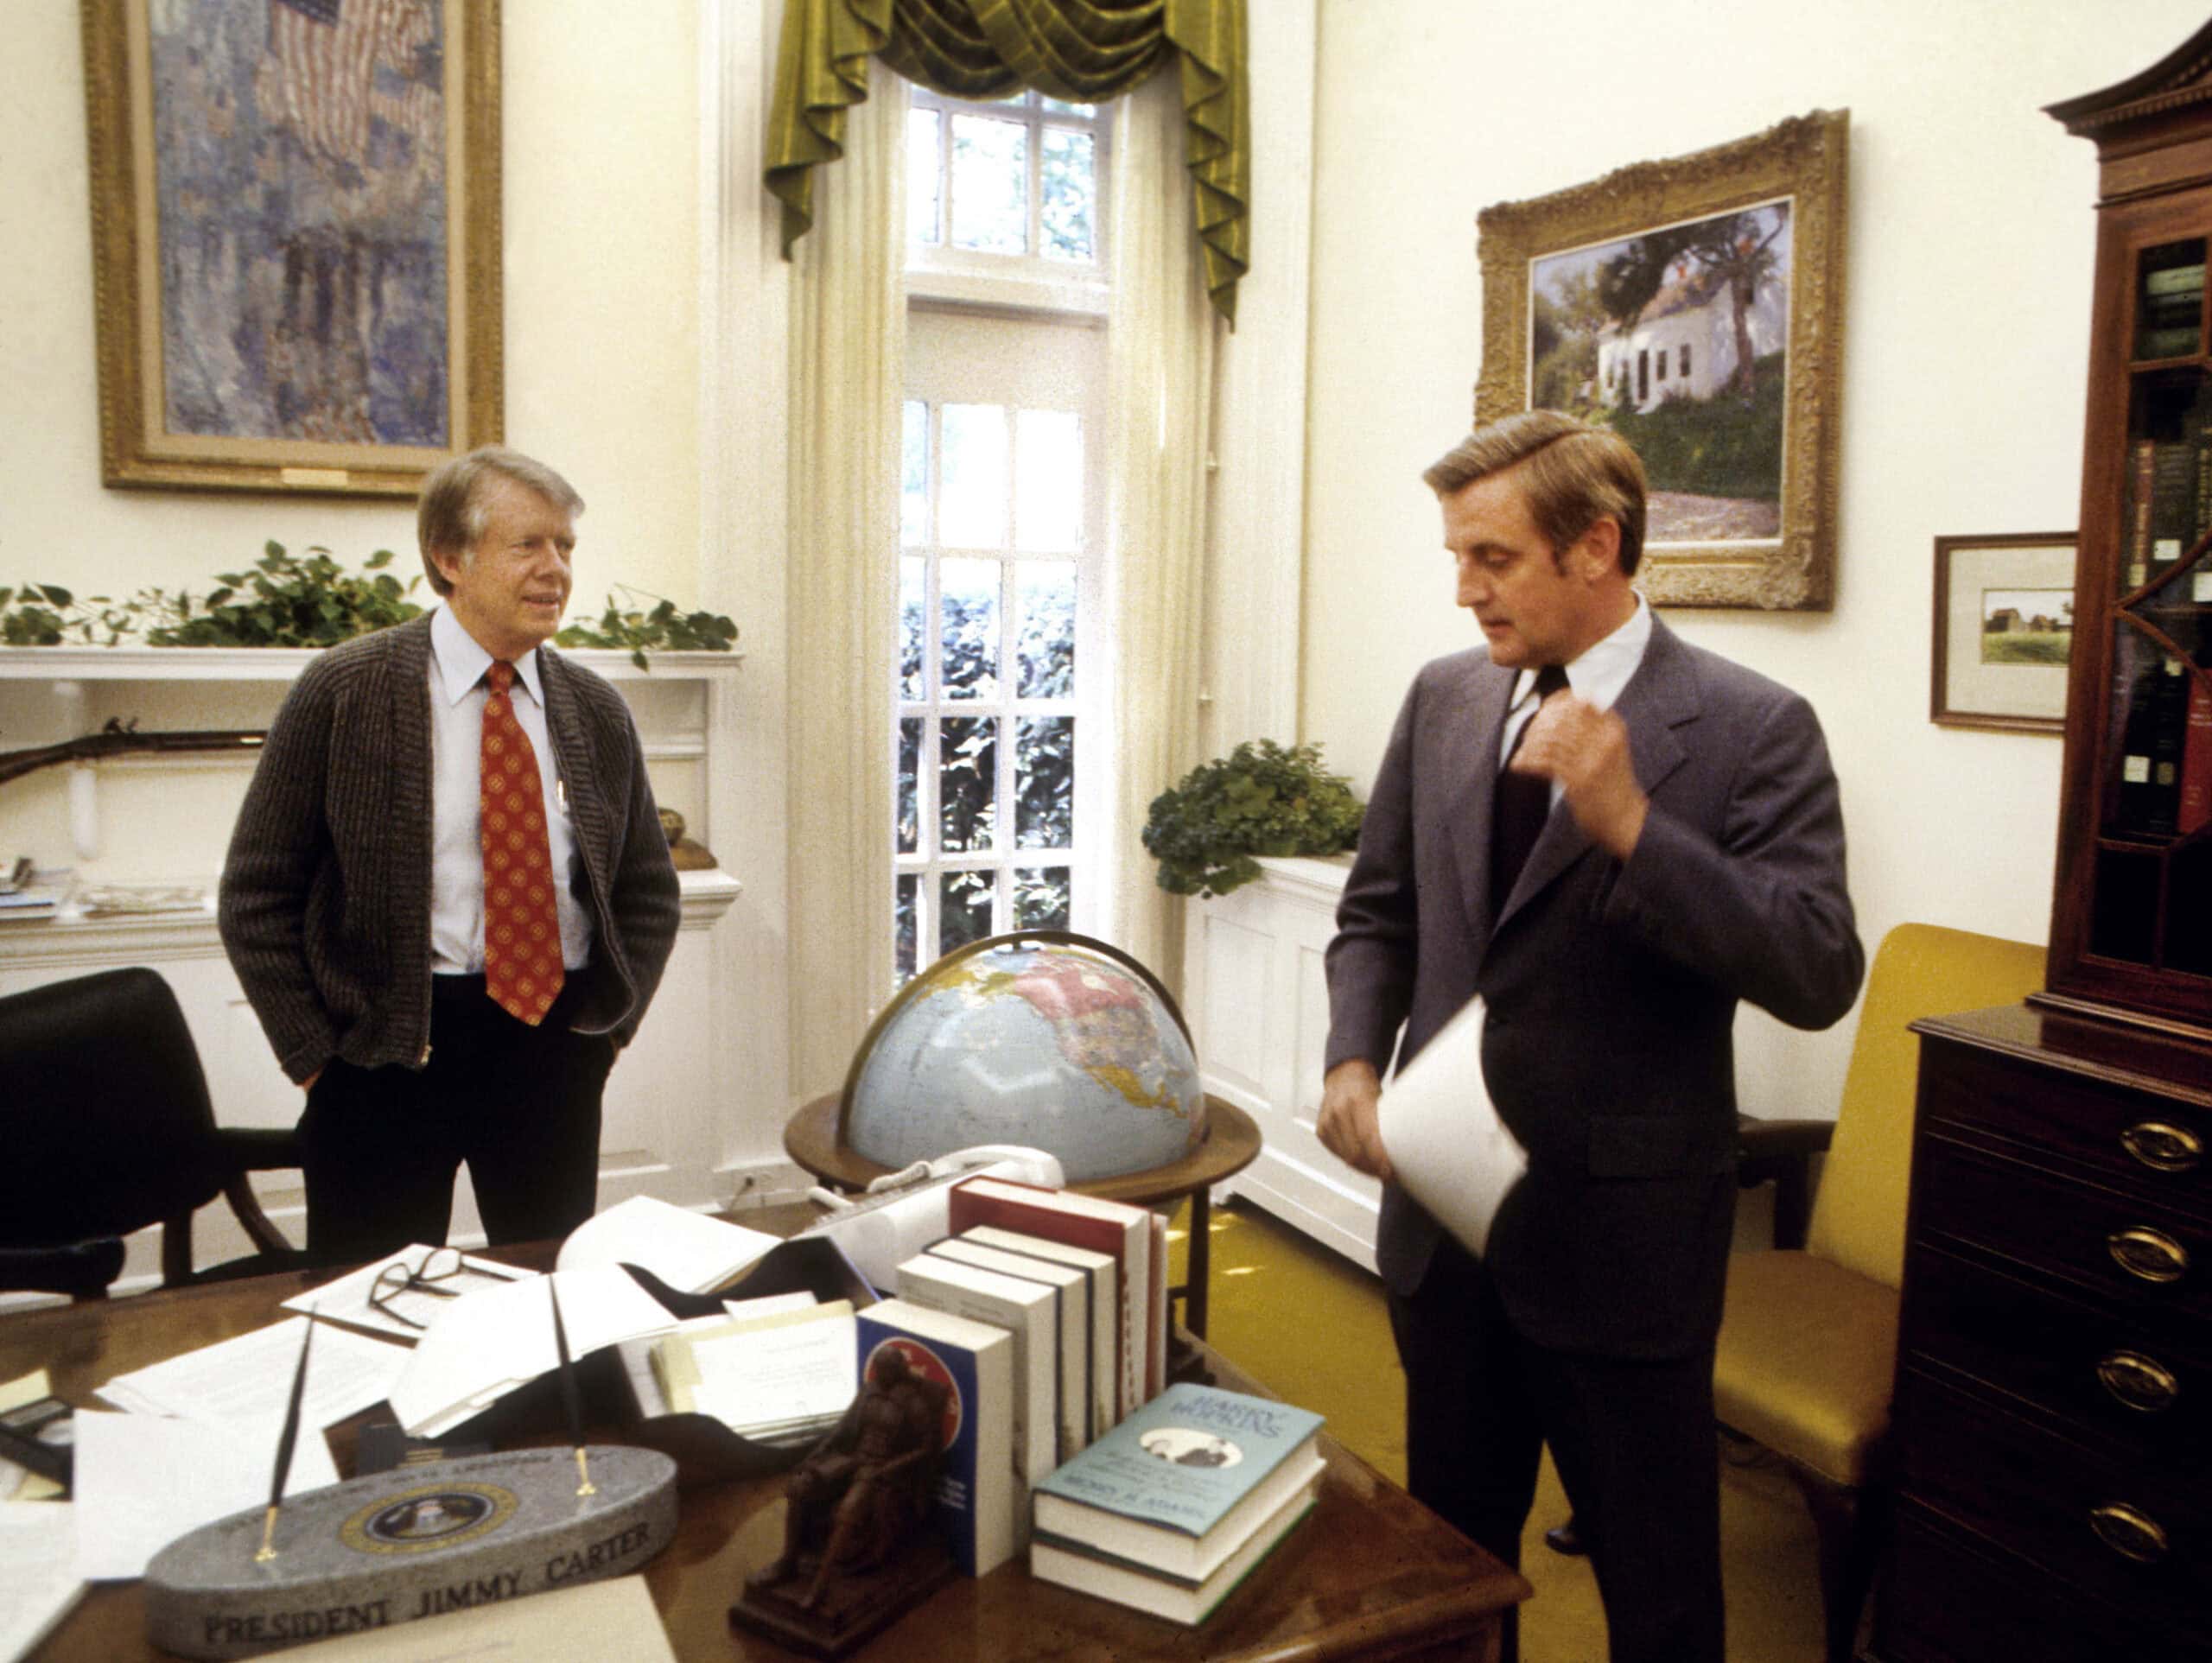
[(2130, 1534), (2148, 1255), (2162, 1148), (2138, 1381)]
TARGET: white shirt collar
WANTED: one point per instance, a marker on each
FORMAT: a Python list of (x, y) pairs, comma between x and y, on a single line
[(462, 659), (1605, 668)]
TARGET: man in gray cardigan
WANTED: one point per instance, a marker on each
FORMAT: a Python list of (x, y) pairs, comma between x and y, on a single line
[(434, 1017)]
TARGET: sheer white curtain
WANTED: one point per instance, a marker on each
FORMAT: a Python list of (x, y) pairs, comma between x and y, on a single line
[(848, 329), (1162, 339)]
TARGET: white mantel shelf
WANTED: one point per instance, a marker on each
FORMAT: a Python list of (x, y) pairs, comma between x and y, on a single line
[(141, 663)]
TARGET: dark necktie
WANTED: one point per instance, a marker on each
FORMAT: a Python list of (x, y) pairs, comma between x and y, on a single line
[(522, 928), (1524, 802)]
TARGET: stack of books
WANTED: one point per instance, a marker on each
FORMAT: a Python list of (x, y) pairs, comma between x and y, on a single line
[(1172, 1509)]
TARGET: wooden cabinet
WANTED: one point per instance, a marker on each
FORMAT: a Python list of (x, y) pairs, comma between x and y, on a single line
[(2052, 1430), (2131, 920)]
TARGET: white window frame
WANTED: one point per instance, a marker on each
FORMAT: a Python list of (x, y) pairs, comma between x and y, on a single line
[(1032, 282)]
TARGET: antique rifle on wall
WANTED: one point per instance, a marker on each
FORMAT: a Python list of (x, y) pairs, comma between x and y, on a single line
[(118, 738)]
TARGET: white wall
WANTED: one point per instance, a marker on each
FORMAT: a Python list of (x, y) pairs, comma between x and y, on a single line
[(1967, 308), (601, 251)]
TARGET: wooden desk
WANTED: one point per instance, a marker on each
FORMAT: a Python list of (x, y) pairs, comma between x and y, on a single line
[(1371, 1574), (1232, 1141)]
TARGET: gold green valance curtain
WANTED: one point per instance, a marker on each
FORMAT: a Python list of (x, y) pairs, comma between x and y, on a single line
[(1084, 51)]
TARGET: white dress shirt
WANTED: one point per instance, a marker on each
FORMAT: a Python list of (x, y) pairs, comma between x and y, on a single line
[(1598, 677), (458, 695)]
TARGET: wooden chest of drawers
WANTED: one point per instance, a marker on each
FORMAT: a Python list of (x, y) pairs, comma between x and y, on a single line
[(2052, 1429)]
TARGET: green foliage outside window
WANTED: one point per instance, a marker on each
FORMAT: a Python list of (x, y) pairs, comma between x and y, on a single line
[(1260, 799)]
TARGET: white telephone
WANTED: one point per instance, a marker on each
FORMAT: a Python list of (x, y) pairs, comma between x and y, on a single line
[(902, 1212)]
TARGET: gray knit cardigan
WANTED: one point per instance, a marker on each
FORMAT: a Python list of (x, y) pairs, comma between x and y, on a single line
[(325, 907)]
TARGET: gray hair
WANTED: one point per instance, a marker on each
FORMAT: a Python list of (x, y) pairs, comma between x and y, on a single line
[(449, 516), (1573, 474)]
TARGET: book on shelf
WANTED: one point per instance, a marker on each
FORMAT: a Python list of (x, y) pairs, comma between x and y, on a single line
[(2173, 499), (2154, 339), (1178, 1599), (1102, 1276), (1071, 1306), (1176, 1490), (1030, 1312), (1107, 1226), (2195, 809), (2152, 743), (2175, 280), (975, 1498)]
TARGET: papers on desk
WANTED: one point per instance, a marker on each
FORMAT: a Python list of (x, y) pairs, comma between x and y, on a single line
[(1446, 1144), (142, 1481), (691, 1252), (407, 1314), (39, 1579), (245, 1384), (585, 1624), (780, 1377), (484, 1344)]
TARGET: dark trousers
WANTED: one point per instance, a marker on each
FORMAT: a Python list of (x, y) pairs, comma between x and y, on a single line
[(1633, 1442), (380, 1146)]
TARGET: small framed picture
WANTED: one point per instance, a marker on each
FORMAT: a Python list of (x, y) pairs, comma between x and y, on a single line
[(2004, 631)]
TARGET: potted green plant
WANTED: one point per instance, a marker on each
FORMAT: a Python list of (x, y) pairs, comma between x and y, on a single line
[(1259, 799)]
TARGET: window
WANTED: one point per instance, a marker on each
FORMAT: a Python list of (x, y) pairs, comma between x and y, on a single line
[(1685, 358), (998, 772), (1662, 365)]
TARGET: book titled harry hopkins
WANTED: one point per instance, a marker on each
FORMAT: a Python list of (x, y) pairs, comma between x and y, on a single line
[(973, 1362), (1180, 1485)]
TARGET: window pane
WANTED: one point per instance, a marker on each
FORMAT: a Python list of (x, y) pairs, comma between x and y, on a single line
[(1060, 109), (913, 608), (1045, 645), (922, 175), (1048, 481), (1044, 783), (990, 185), (910, 800), (1069, 186), (964, 909), (914, 473), (905, 905), (971, 504), (967, 781), (967, 595), (1043, 897)]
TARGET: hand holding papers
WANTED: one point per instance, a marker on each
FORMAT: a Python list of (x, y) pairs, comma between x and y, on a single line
[(1447, 1146)]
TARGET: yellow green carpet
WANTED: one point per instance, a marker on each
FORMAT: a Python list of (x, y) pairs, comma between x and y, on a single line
[(1312, 1326)]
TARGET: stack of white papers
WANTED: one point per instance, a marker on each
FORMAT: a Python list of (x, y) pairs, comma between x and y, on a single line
[(484, 1344), (691, 1252), (39, 1578), (1446, 1144), (783, 1376), (407, 1313), (242, 1389)]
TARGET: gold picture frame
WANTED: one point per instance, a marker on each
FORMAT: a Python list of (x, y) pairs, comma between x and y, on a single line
[(1743, 246), (325, 317)]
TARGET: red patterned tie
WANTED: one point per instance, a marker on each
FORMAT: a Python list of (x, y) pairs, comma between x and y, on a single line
[(522, 931)]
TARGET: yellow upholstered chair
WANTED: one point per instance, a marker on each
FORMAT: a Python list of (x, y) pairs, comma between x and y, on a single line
[(1809, 1338)]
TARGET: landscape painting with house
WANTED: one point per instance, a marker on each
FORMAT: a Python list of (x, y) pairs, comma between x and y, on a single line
[(2026, 626), (1678, 338)]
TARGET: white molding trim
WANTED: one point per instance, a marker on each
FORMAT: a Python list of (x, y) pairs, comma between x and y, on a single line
[(1257, 542)]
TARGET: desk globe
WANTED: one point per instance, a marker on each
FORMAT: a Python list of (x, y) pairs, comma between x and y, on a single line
[(1043, 1039)]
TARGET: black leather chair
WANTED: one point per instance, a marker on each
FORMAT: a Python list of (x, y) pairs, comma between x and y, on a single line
[(105, 1124)]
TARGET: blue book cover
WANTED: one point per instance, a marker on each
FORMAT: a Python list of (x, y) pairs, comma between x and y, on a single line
[(973, 1362), (1197, 1463)]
